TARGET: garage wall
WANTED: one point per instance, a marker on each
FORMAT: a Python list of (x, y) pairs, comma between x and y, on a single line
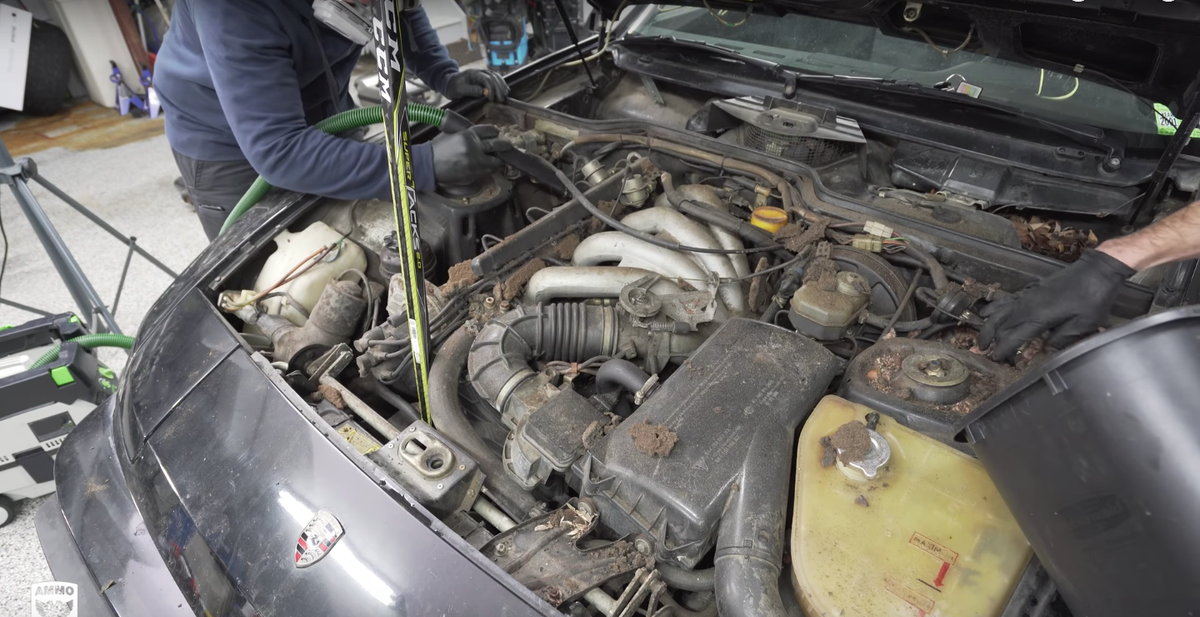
[(95, 39)]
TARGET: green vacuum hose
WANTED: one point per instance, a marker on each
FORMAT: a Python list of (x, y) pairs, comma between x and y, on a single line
[(345, 121), (87, 341)]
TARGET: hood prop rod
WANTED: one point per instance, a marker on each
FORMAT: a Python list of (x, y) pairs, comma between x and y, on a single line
[(562, 14), (1187, 123)]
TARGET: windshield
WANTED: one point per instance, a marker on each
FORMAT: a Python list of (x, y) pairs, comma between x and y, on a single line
[(818, 45)]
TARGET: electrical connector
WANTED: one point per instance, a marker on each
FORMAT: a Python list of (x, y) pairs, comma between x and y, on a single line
[(877, 229), (864, 242)]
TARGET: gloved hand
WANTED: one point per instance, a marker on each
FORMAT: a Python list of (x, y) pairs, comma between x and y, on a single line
[(461, 158), (474, 83), (1073, 303)]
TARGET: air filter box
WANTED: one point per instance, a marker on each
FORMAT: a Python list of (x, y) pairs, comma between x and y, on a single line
[(733, 408)]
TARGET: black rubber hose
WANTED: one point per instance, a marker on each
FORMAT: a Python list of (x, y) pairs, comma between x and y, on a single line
[(906, 260), (879, 321), (750, 538), (617, 373), (529, 164), (448, 417), (903, 303), (641, 235), (403, 407), (936, 329), (936, 271), (724, 220), (768, 315), (678, 610), (498, 362), (687, 580), (787, 288)]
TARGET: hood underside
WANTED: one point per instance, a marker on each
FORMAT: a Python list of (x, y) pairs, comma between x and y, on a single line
[(1146, 46)]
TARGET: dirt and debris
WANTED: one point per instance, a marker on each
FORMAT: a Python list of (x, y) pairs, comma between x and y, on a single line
[(979, 290), (718, 410), (565, 248), (653, 439), (554, 595), (822, 272), (1031, 355), (964, 338), (981, 386), (609, 207), (513, 285), (760, 289), (575, 521), (459, 276), (862, 501), (598, 429), (1048, 237), (92, 487), (828, 452), (329, 393), (851, 441), (887, 367), (795, 236)]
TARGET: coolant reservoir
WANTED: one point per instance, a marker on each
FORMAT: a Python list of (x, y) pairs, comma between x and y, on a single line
[(294, 249), (927, 536)]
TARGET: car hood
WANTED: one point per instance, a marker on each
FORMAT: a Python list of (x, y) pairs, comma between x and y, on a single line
[(1147, 46)]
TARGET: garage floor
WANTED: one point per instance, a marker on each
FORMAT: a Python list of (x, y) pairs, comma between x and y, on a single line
[(123, 170)]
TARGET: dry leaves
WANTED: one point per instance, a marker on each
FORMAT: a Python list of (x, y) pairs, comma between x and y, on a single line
[(1048, 237)]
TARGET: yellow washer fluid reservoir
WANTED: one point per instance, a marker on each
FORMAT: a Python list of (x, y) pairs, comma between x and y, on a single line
[(300, 295), (926, 536)]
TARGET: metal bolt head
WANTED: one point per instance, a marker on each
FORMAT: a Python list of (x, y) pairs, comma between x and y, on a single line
[(505, 305), (585, 507), (439, 485), (502, 549), (391, 444), (490, 301), (1114, 163), (462, 467), (642, 546), (934, 368)]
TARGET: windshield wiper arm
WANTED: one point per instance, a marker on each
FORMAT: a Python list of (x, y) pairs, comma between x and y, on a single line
[(1081, 134)]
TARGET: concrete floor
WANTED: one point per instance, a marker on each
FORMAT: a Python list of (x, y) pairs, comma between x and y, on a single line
[(130, 186)]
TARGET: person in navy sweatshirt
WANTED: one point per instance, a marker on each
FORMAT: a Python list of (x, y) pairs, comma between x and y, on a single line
[(244, 81)]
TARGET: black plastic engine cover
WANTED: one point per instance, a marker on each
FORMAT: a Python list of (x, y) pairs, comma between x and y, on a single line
[(749, 385)]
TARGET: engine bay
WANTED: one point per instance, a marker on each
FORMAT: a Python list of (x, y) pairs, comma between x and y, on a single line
[(624, 367)]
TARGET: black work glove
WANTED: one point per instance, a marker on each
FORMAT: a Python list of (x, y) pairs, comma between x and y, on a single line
[(462, 158), (475, 83), (1073, 303)]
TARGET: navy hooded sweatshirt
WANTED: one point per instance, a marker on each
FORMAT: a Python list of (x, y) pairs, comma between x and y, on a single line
[(246, 79)]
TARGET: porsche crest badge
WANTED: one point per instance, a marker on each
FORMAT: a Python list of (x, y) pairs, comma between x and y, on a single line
[(318, 537)]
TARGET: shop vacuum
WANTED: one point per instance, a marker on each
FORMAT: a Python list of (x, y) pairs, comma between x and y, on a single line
[(1097, 454)]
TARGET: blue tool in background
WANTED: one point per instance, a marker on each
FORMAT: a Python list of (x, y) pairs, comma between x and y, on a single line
[(128, 101)]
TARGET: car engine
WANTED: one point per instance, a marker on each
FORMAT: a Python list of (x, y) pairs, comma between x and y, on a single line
[(623, 365)]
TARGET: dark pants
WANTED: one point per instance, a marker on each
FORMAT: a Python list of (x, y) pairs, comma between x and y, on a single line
[(215, 188)]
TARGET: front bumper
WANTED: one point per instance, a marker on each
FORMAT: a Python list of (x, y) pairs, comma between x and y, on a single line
[(94, 536), (66, 563), (186, 494)]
